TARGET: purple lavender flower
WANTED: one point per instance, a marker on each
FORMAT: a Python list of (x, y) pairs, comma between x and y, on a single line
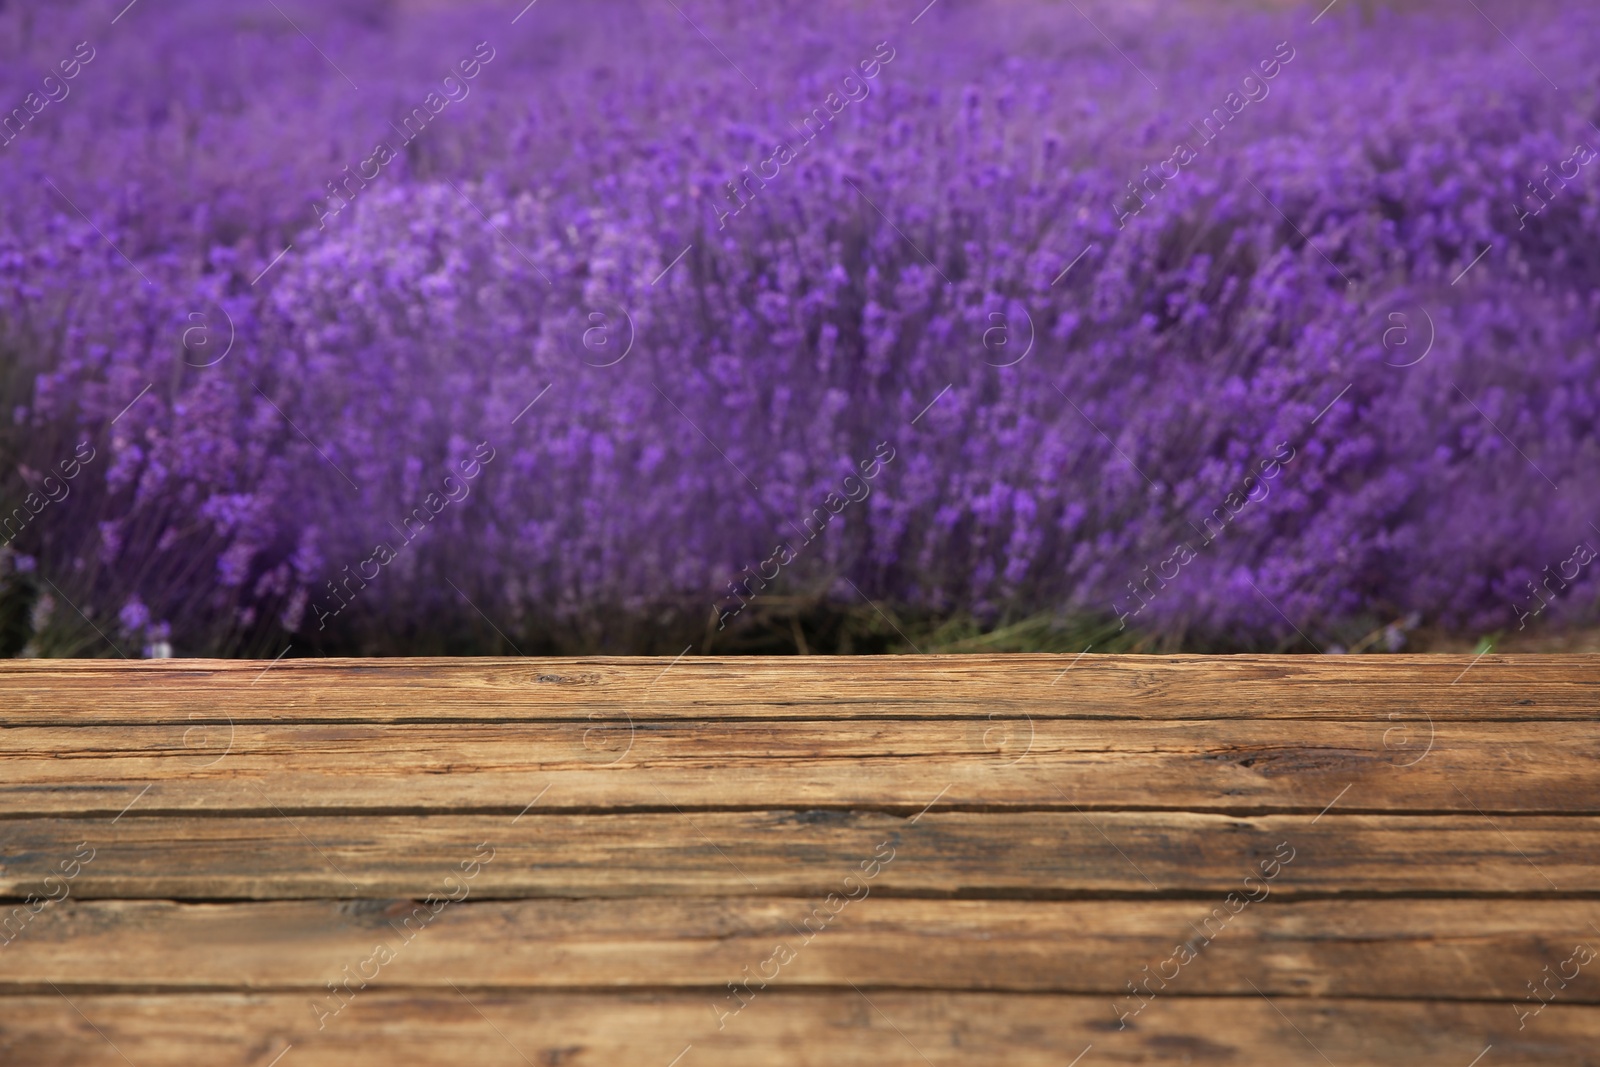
[(751, 350)]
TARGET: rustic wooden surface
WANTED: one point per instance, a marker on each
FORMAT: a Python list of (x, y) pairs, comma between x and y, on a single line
[(966, 860)]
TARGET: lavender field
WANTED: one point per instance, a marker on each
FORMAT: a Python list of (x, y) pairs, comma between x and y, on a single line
[(375, 328)]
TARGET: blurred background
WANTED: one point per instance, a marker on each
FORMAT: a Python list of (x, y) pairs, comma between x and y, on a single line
[(626, 326)]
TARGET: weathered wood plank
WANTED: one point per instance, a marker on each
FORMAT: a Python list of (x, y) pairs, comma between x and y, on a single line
[(873, 1028), (1223, 765), (1404, 949), (185, 692), (660, 826), (1044, 855)]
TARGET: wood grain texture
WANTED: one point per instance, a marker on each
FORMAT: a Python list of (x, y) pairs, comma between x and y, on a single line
[(893, 765), (1007, 855), (1405, 949), (1343, 688), (871, 1028), (967, 859)]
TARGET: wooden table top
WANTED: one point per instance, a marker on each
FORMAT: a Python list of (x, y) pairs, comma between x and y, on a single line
[(939, 860)]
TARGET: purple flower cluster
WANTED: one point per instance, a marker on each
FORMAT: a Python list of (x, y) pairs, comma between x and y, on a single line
[(950, 263), (815, 523)]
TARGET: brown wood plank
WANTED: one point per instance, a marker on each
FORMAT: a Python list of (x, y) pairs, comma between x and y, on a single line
[(872, 1028), (1222, 765), (660, 826), (1444, 687), (1405, 949), (785, 853)]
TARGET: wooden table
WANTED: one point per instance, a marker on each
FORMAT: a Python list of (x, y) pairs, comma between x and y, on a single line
[(944, 860)]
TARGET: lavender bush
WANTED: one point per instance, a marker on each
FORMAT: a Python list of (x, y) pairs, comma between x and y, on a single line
[(665, 277)]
